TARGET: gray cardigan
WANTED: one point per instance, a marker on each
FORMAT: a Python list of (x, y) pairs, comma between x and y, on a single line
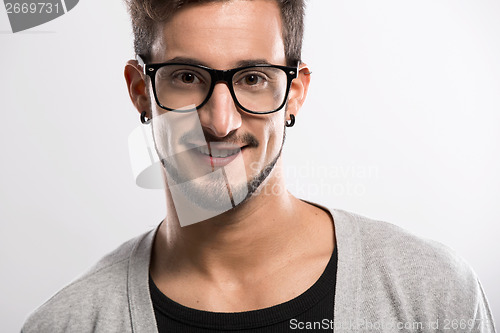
[(387, 281)]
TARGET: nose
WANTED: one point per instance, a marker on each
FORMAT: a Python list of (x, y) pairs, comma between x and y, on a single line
[(220, 115)]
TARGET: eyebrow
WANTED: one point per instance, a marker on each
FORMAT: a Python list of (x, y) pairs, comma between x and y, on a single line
[(241, 63)]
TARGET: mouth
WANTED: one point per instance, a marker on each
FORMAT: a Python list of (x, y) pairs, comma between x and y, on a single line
[(218, 155)]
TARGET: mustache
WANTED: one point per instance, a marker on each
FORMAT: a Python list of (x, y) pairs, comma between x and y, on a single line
[(245, 139)]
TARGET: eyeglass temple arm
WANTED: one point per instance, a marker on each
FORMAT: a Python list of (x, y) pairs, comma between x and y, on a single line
[(141, 63), (299, 68)]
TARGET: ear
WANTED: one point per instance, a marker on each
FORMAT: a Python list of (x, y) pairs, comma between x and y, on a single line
[(136, 85), (298, 90)]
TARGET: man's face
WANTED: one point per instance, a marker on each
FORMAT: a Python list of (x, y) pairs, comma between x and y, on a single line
[(221, 36)]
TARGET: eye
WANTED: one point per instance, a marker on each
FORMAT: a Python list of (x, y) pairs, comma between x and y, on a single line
[(188, 77), (252, 79)]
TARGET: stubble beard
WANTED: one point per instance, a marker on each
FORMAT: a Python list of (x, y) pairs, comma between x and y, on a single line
[(211, 193)]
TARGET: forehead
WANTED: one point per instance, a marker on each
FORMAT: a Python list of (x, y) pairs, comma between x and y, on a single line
[(221, 34)]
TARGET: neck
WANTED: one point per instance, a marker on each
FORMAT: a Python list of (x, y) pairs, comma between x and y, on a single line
[(254, 234)]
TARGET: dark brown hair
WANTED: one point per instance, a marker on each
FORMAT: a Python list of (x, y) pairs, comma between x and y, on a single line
[(147, 14)]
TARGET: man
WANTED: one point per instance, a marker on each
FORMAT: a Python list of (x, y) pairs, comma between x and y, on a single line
[(219, 82)]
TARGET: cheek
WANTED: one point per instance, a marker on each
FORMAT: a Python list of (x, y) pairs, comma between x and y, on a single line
[(271, 136), (275, 129)]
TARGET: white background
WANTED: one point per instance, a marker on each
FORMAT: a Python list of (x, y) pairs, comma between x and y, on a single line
[(402, 124)]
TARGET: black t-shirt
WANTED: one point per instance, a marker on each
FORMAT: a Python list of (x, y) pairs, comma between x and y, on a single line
[(311, 311)]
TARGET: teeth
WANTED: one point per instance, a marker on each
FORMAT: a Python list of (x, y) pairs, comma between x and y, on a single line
[(224, 153), (204, 150), (218, 153)]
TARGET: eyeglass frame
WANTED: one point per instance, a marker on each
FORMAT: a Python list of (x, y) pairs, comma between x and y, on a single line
[(217, 76)]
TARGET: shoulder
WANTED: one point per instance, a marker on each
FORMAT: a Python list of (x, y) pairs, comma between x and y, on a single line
[(387, 246), (99, 294), (412, 275)]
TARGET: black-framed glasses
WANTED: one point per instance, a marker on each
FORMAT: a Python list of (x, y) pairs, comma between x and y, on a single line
[(257, 89)]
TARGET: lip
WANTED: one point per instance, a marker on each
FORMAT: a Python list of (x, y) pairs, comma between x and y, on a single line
[(218, 162), (223, 146), (214, 145)]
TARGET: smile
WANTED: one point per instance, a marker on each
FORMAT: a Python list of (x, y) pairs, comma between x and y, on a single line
[(217, 153)]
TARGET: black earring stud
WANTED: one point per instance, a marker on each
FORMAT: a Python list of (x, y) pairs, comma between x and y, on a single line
[(144, 120), (292, 121)]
